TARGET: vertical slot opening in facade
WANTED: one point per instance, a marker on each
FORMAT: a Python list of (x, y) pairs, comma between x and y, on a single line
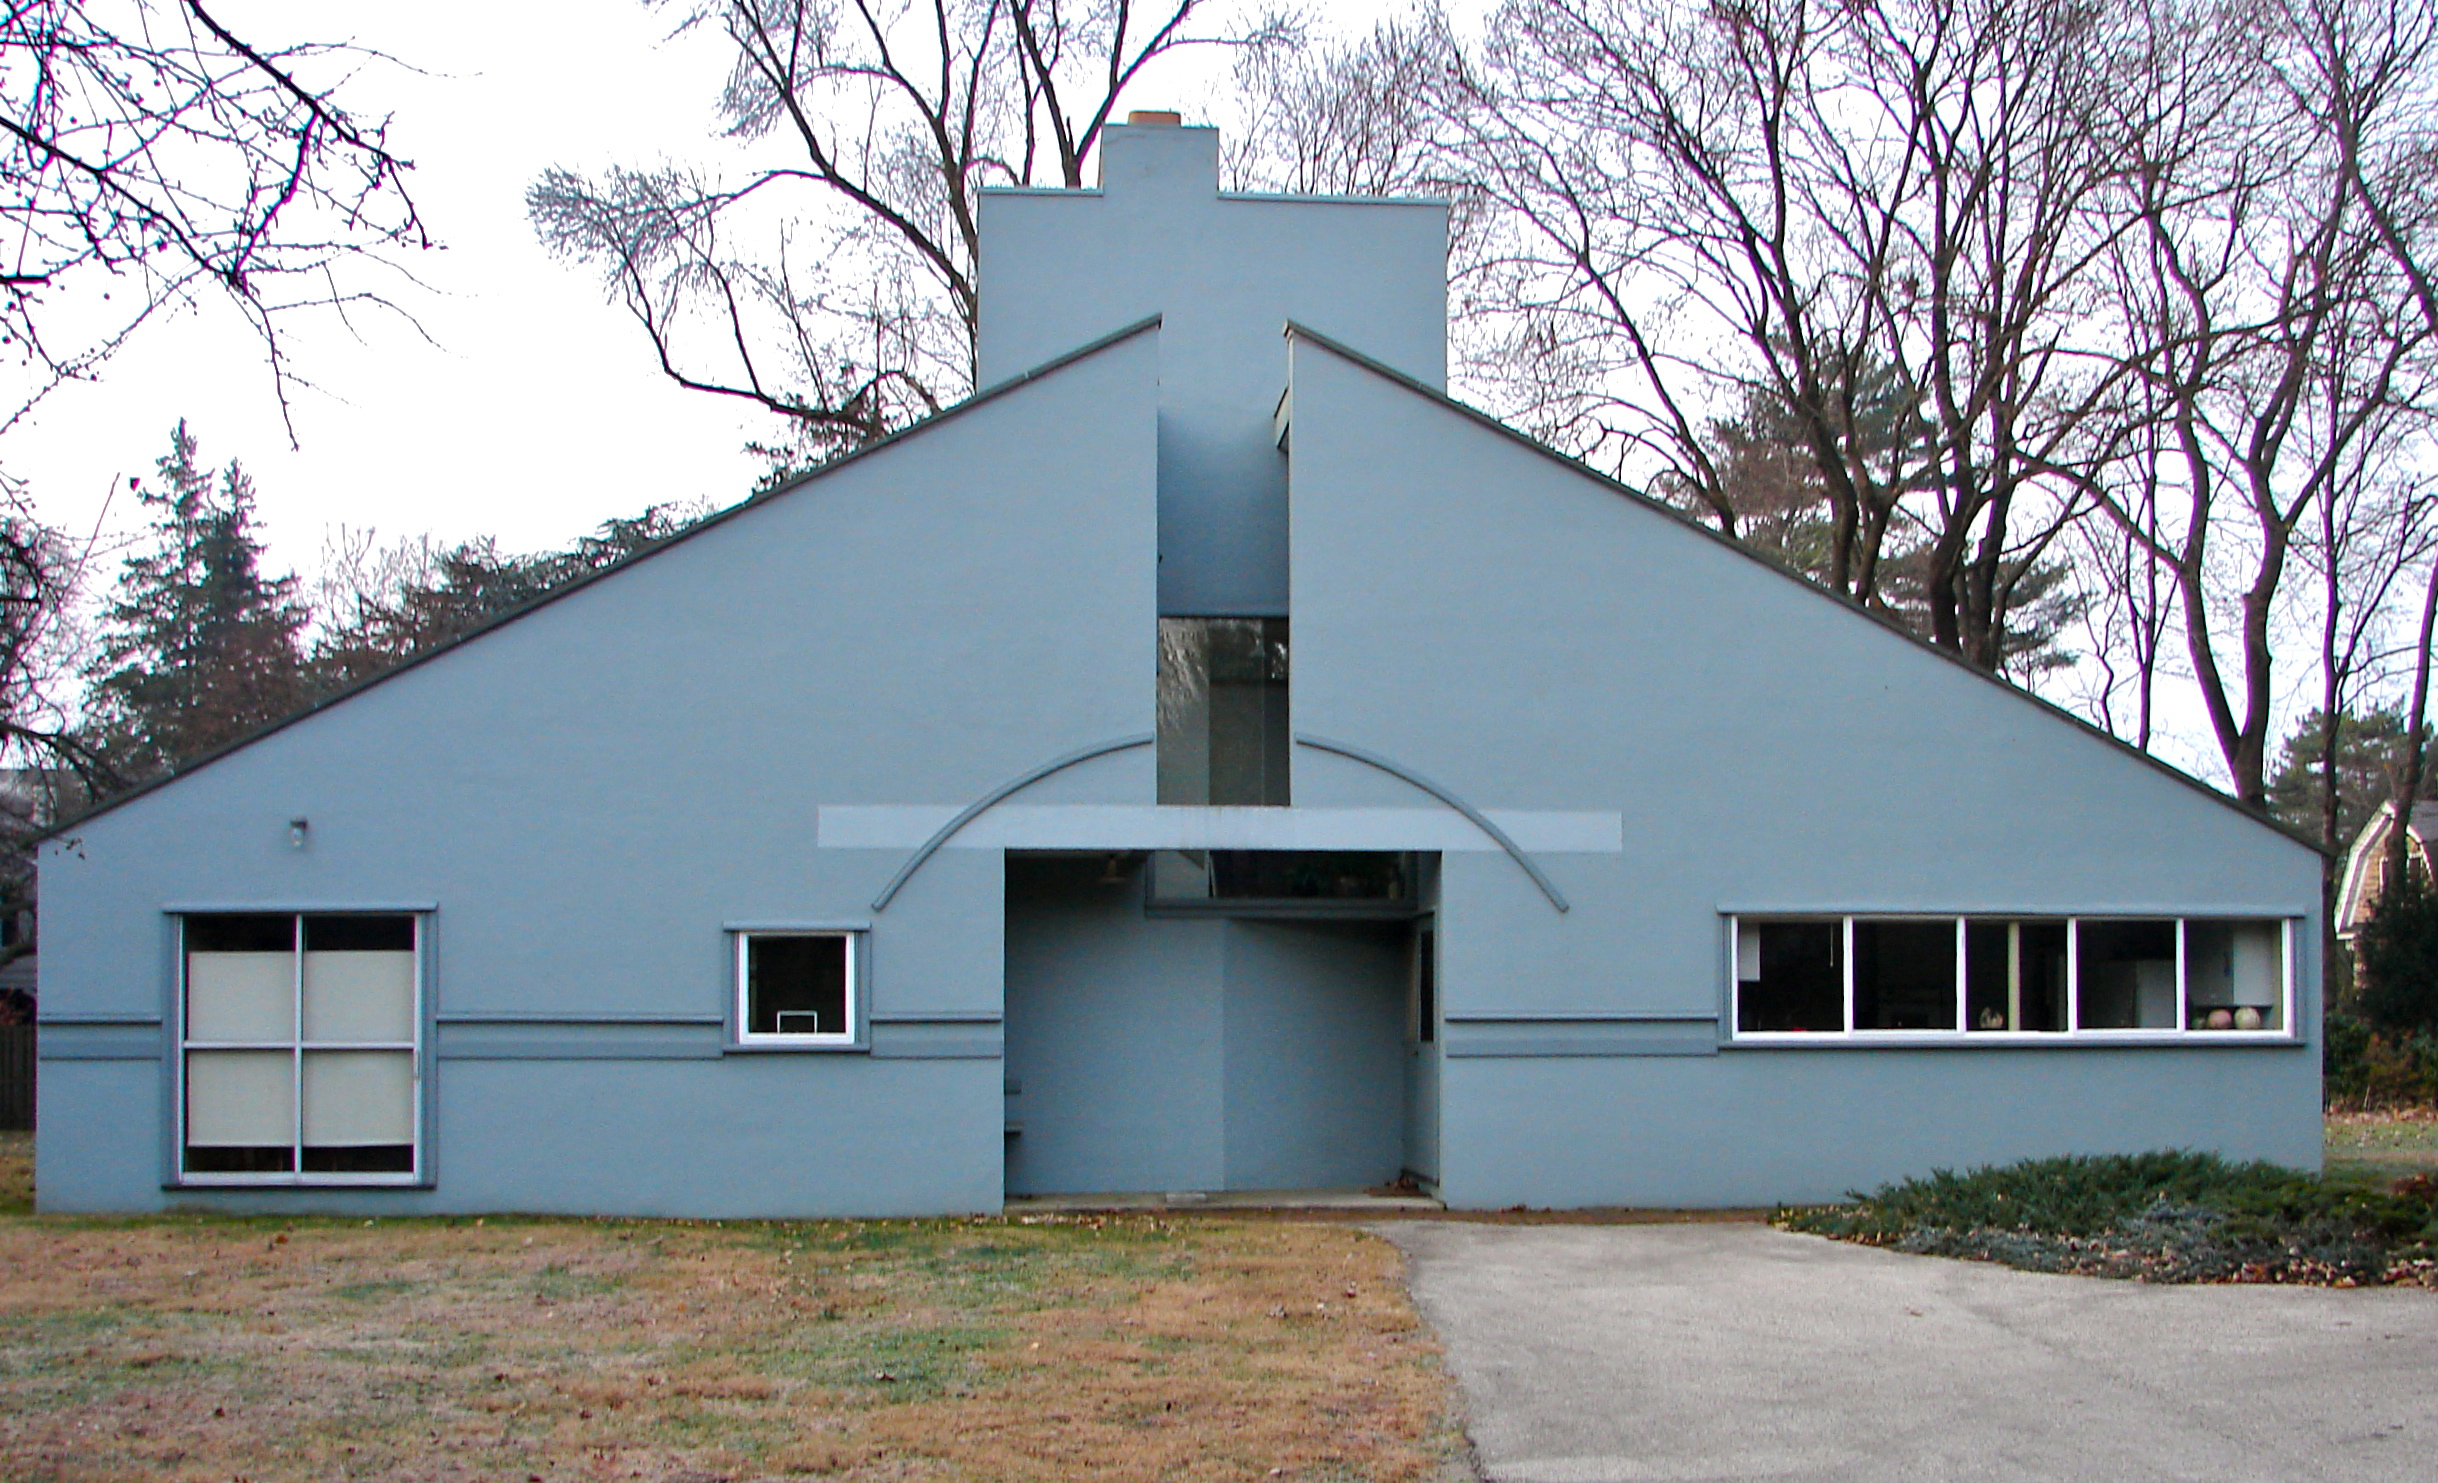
[(1223, 736)]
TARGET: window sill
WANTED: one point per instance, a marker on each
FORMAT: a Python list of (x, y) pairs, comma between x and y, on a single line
[(797, 1047), (2001, 1039), (291, 1181)]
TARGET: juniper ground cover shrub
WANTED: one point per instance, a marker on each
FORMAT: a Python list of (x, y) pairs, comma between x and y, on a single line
[(2170, 1216)]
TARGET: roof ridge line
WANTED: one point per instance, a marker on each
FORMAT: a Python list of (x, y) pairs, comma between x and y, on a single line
[(992, 392)]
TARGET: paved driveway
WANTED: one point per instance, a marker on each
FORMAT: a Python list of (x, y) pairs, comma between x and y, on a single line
[(1597, 1353)]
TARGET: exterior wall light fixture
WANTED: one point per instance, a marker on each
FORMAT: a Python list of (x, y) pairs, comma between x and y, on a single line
[(296, 833)]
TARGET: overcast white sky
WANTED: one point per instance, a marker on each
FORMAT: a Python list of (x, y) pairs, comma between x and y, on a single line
[(539, 412)]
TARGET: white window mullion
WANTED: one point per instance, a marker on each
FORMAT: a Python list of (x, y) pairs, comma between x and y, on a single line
[(2014, 976), (2286, 943), (1846, 951), (178, 1088), (296, 1053), (1963, 967), (1735, 975), (414, 1059), (2073, 975), (2184, 1013)]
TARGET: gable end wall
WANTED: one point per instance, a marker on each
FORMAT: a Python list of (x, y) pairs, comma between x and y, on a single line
[(1529, 637)]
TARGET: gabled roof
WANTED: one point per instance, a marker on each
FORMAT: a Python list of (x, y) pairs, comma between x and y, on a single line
[(2422, 829), (913, 430), (1296, 331)]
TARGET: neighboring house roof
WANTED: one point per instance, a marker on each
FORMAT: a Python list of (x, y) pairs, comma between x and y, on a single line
[(2364, 862)]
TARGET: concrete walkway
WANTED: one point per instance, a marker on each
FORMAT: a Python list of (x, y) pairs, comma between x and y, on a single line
[(1357, 1201), (1596, 1353)]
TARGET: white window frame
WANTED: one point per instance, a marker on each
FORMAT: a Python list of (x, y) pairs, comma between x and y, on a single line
[(2287, 1033), (296, 1045), (741, 1037)]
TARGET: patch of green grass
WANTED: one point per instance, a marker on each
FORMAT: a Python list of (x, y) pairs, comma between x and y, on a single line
[(916, 1304), (906, 1364), (557, 1284), (109, 1351), (16, 1173), (2381, 1147), (2165, 1217)]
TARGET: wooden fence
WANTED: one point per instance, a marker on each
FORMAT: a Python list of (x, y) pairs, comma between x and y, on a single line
[(16, 1077)]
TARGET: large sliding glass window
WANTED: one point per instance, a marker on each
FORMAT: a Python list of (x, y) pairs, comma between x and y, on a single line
[(299, 1048), (1790, 976), (1864, 977), (2015, 974)]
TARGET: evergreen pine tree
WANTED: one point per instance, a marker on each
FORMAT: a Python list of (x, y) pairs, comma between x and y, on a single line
[(199, 647), (2396, 958)]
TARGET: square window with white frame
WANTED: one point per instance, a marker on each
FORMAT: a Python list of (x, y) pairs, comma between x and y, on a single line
[(796, 987), (300, 1048)]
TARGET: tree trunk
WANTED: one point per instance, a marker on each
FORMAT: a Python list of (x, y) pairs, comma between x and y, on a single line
[(2408, 777)]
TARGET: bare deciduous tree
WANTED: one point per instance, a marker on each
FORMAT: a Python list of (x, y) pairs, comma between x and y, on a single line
[(153, 158), (836, 289), (150, 159), (2279, 367), (1822, 205)]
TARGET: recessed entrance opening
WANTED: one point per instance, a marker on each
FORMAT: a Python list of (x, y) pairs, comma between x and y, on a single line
[(1237, 1043)]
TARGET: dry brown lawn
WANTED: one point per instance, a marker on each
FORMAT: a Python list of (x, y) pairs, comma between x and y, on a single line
[(1120, 1347)]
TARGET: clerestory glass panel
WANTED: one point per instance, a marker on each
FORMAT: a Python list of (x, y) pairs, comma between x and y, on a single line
[(1223, 735), (1789, 976), (2126, 974), (1904, 974), (2015, 974)]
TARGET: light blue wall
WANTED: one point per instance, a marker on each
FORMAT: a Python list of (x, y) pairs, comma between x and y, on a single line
[(1166, 1053), (1225, 273), (1116, 1025), (1756, 1127), (588, 793), (1531, 638), (1315, 1054)]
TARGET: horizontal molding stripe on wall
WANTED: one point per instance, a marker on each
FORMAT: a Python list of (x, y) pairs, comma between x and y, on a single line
[(1111, 826), (1579, 1016), (695, 1038), (572, 1017), (1524, 1036), (2015, 907), (128, 1038), (566, 1038)]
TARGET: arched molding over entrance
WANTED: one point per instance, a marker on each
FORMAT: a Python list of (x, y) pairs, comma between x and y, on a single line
[(992, 799), (1474, 816), (1374, 760)]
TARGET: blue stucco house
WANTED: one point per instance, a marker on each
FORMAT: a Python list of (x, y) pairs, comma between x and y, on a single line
[(1207, 759)]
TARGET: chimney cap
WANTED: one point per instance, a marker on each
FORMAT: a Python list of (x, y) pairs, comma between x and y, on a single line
[(1159, 118)]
